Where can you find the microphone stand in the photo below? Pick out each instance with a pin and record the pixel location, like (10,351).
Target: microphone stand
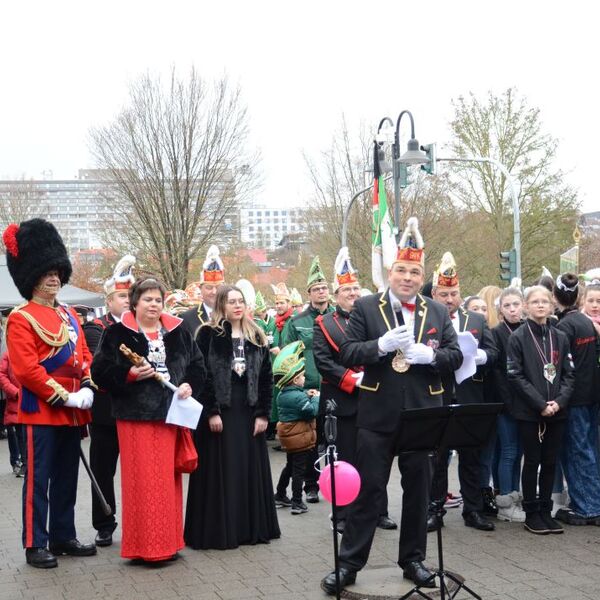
(330,437)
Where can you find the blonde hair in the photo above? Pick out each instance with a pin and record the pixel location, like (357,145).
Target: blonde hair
(490,294)
(534,289)
(250,330)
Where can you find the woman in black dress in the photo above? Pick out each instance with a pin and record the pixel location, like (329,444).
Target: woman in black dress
(230,497)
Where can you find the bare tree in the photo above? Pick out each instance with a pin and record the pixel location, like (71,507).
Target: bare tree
(506,128)
(178,157)
(20,200)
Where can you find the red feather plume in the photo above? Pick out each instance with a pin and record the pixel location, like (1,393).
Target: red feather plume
(10,239)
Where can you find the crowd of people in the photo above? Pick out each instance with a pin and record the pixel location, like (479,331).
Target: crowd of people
(261,372)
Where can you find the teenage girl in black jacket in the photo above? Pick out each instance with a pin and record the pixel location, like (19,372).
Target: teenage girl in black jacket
(540,369)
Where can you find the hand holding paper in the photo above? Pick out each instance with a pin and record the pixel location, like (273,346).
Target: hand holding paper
(184,412)
(468,346)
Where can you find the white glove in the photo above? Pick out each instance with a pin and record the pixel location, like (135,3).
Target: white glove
(358,376)
(88,397)
(83,399)
(480,357)
(395,339)
(419,354)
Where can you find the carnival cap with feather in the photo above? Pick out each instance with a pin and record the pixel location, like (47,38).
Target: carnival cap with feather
(288,364)
(296,298)
(410,248)
(281,291)
(213,270)
(315,274)
(260,306)
(33,249)
(248,292)
(445,275)
(177,302)
(122,278)
(344,273)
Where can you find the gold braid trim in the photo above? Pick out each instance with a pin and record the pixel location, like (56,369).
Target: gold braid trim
(55,340)
(59,389)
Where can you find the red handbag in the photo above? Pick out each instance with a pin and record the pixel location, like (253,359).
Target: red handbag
(186,456)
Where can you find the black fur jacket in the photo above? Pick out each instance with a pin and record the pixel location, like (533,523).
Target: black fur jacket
(146,400)
(217,348)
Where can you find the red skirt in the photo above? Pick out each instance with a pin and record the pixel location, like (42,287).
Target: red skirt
(152,503)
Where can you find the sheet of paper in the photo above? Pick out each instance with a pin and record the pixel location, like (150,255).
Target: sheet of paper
(185,413)
(468,346)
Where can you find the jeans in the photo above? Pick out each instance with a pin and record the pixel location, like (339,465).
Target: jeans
(509,464)
(294,469)
(580,460)
(488,464)
(16,444)
(543,454)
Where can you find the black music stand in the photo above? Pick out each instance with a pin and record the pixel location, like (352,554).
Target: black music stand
(440,428)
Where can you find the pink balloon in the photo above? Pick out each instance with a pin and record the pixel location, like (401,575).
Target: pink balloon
(347,483)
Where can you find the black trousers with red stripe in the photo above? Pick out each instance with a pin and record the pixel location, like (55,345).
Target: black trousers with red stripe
(50,484)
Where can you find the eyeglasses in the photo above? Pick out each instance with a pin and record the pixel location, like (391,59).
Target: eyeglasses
(236,302)
(319,288)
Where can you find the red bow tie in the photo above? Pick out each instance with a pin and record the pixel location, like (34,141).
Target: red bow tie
(409,306)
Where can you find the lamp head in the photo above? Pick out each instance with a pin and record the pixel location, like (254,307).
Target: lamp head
(413,155)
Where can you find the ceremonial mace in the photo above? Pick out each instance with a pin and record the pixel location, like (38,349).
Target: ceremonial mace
(138,361)
(106,509)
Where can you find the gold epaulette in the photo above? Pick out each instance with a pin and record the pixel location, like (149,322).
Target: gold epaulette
(55,340)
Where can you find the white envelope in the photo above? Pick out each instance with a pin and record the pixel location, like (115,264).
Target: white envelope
(185,413)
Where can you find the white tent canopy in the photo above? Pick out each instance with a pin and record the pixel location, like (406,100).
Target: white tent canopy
(69,294)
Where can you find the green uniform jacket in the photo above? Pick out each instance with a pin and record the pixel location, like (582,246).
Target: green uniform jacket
(300,327)
(296,405)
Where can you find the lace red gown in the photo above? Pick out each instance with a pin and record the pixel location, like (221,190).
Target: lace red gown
(152,502)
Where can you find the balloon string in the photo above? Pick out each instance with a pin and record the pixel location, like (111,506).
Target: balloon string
(324,457)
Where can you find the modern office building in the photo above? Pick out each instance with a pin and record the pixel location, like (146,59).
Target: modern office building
(263,227)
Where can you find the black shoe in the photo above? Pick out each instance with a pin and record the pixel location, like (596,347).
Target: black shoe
(546,514)
(40,558)
(347,577)
(282,501)
(416,571)
(386,523)
(278,448)
(104,538)
(489,502)
(312,496)
(477,521)
(570,517)
(535,524)
(298,507)
(73,548)
(433,521)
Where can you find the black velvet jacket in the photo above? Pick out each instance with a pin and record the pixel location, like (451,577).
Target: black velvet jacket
(217,348)
(146,400)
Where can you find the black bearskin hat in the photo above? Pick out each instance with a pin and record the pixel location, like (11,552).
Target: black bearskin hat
(34,248)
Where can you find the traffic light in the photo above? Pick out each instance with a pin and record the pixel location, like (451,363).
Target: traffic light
(429,167)
(404,178)
(508,265)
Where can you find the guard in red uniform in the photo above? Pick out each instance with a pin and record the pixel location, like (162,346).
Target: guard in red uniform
(51,361)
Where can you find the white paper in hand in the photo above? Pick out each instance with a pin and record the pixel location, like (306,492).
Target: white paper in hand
(468,346)
(185,413)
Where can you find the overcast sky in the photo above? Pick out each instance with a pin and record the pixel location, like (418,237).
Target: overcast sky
(66,67)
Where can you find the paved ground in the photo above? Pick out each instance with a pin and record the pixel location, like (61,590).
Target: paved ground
(509,563)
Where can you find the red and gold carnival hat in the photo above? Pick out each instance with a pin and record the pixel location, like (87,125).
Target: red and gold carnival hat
(122,278)
(445,275)
(344,272)
(410,248)
(213,270)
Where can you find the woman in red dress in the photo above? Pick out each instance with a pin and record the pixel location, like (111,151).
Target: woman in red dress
(151,489)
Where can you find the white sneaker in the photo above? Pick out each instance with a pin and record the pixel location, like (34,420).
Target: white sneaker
(508,509)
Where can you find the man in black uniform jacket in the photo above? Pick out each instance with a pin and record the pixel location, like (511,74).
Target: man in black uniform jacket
(405,342)
(340,383)
(446,290)
(104,442)
(211,277)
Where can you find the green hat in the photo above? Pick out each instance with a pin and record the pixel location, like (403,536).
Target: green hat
(315,275)
(288,363)
(295,298)
(259,303)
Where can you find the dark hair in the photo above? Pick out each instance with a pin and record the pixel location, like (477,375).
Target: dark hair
(141,285)
(546,281)
(566,289)
(469,300)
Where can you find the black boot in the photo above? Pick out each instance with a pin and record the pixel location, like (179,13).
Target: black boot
(533,519)
(546,513)
(489,502)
